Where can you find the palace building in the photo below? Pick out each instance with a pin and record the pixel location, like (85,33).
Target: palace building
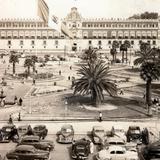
(34,35)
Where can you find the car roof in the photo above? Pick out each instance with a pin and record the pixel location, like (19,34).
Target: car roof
(134,127)
(116,148)
(23,126)
(118,127)
(67,126)
(41,125)
(115,139)
(98,128)
(8,126)
(25,147)
(81,142)
(30,137)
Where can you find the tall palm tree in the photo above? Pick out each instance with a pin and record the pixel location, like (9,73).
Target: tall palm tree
(28,63)
(149,71)
(93,81)
(13,59)
(90,55)
(122,50)
(127,45)
(146,54)
(34,60)
(113,50)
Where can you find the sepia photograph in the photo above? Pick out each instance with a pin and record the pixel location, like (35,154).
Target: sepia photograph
(79,80)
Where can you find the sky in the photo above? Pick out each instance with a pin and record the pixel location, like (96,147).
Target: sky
(87,8)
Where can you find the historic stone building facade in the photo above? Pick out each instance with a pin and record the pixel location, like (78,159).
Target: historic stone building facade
(33,35)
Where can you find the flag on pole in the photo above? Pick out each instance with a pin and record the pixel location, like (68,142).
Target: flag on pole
(58,25)
(43,10)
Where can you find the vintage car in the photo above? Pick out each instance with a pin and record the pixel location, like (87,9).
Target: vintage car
(8,133)
(37,143)
(23,130)
(98,134)
(27,152)
(117,153)
(134,134)
(151,151)
(80,149)
(40,130)
(119,142)
(119,132)
(66,134)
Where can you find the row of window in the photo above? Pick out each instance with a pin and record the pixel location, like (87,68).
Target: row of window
(32,42)
(120,42)
(22,24)
(121,37)
(121,25)
(32,37)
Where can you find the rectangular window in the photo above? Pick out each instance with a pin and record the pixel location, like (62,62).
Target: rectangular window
(32,43)
(154,42)
(90,42)
(44,43)
(9,42)
(21,42)
(99,42)
(56,42)
(132,42)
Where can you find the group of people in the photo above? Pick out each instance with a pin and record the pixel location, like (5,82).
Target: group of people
(18,101)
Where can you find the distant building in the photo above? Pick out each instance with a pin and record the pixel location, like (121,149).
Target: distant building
(34,35)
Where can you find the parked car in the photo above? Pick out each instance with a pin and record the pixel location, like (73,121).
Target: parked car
(40,130)
(23,130)
(119,132)
(117,153)
(37,143)
(66,134)
(27,152)
(98,134)
(80,149)
(134,134)
(9,133)
(151,151)
(116,141)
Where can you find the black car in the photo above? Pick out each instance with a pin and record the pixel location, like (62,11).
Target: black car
(37,143)
(9,133)
(40,130)
(134,134)
(152,151)
(80,149)
(27,152)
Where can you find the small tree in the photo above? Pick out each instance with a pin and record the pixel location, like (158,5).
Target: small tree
(28,63)
(113,50)
(34,61)
(94,80)
(13,59)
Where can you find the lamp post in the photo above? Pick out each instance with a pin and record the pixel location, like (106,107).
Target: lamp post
(66,107)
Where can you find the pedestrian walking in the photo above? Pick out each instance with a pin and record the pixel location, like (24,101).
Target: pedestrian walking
(100,116)
(15,99)
(70,67)
(69,77)
(10,119)
(19,116)
(121,92)
(20,101)
(34,81)
(60,72)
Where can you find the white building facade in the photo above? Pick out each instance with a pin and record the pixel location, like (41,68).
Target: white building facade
(34,35)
